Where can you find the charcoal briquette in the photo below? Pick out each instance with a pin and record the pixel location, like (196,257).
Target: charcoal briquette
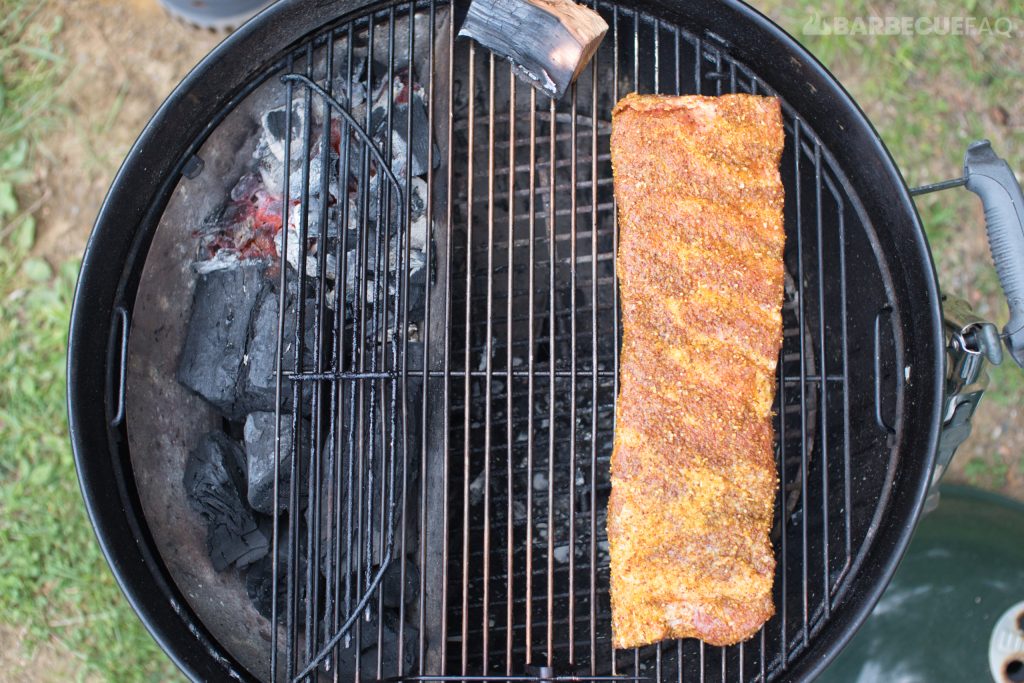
(260,449)
(260,380)
(212,359)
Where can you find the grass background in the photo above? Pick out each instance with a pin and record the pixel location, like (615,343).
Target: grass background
(928,95)
(55,587)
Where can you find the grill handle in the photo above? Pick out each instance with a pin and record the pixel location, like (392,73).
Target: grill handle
(992,179)
(971,341)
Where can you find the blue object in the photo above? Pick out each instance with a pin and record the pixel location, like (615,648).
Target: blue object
(222,15)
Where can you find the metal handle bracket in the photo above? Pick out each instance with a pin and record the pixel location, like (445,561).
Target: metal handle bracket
(971,341)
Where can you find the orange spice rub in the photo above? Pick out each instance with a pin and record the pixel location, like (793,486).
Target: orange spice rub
(701,281)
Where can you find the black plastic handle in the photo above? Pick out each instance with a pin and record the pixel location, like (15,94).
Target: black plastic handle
(992,179)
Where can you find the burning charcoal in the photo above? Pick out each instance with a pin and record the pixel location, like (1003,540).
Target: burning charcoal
(270,170)
(419,145)
(417,290)
(246,187)
(259,454)
(354,207)
(396,256)
(418,232)
(407,100)
(223,259)
(354,96)
(351,98)
(313,181)
(215,484)
(245,225)
(294,248)
(351,270)
(357,280)
(363,188)
(260,382)
(269,152)
(213,355)
(274,130)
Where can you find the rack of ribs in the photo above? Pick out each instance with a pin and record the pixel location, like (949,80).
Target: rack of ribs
(701,288)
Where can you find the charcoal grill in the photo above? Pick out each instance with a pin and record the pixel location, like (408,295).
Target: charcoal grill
(458,463)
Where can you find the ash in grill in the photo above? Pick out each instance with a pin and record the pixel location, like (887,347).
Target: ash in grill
(404,318)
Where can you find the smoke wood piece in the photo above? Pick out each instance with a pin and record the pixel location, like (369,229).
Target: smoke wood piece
(548,42)
(213,354)
(215,484)
(259,453)
(701,280)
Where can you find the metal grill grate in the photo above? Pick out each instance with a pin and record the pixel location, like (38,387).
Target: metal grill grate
(458,464)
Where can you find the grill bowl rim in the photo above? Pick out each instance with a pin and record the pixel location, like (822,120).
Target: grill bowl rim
(118,244)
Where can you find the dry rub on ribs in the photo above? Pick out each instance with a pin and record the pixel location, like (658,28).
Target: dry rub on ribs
(701,280)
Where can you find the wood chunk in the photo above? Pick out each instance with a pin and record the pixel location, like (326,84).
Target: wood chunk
(701,283)
(548,42)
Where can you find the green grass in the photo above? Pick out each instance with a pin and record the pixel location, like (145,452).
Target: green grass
(54,583)
(920,83)
(988,473)
(929,96)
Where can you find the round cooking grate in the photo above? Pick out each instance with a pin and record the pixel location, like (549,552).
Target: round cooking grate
(451,332)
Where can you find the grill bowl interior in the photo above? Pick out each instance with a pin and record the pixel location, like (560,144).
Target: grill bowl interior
(501,499)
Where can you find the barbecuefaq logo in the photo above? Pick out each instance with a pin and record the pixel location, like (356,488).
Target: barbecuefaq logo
(875,25)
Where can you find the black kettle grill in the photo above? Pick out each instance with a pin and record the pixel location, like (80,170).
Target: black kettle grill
(451,333)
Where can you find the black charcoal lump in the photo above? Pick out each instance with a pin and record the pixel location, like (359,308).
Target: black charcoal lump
(259,434)
(259,587)
(259,581)
(215,484)
(386,636)
(259,390)
(213,355)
